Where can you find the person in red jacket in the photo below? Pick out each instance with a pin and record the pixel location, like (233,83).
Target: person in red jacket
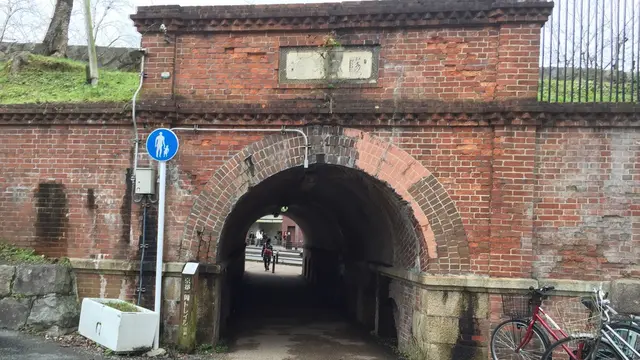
(267,253)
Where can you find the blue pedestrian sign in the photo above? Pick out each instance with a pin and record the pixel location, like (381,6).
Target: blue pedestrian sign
(162,144)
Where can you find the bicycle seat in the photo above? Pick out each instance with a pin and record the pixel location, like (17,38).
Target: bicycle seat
(589,303)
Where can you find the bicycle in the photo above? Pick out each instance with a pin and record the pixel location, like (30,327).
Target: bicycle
(606,341)
(526,315)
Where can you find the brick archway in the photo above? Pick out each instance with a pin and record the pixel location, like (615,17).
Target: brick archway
(443,247)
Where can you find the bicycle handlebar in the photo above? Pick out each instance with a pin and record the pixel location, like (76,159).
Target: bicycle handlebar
(543,290)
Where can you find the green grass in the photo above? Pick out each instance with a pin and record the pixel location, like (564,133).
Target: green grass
(11,254)
(560,91)
(122,306)
(53,80)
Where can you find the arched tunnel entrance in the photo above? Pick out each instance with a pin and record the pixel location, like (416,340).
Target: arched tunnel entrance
(350,220)
(363,204)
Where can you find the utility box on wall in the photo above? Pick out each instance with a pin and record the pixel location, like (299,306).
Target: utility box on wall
(145,181)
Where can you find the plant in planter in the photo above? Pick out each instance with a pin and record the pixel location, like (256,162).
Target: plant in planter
(118,325)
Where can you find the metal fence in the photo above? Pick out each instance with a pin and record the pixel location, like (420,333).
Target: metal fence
(590,52)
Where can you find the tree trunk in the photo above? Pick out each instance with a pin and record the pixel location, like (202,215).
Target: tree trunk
(55,42)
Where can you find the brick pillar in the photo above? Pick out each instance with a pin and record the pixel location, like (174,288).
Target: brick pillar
(160,58)
(512,194)
(518,61)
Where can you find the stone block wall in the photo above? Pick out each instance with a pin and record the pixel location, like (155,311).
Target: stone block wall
(41,297)
(450,325)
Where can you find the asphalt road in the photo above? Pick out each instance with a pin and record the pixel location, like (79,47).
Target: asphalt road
(19,346)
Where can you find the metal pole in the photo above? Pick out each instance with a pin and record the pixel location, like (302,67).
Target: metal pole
(142,248)
(162,171)
(558,57)
(282,130)
(91,45)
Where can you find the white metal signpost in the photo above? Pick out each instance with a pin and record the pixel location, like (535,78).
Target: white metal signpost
(162,146)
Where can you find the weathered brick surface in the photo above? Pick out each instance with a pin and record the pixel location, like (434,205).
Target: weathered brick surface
(512,200)
(587,206)
(414,64)
(427,50)
(63,189)
(585,199)
(114,286)
(529,200)
(486,188)
(517,65)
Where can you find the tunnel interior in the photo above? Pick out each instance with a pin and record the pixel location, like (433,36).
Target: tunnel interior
(350,220)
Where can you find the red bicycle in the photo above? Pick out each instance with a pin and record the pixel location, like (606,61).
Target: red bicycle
(524,335)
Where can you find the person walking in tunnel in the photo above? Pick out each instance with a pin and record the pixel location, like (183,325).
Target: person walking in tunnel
(267,252)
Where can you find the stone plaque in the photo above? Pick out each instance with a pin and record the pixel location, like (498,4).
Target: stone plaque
(356,65)
(316,65)
(305,65)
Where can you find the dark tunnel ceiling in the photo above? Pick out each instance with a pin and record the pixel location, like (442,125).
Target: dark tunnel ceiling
(338,208)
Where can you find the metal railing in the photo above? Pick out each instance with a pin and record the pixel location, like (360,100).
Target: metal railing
(286,257)
(590,52)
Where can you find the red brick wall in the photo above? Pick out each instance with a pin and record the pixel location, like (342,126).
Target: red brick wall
(414,64)
(587,218)
(547,202)
(426,51)
(62,189)
(518,56)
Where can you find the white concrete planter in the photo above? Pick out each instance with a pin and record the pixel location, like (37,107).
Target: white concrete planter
(117,330)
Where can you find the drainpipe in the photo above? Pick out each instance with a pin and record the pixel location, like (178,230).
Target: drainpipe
(282,130)
(133,118)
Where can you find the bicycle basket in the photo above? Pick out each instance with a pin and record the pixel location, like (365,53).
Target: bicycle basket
(575,318)
(516,306)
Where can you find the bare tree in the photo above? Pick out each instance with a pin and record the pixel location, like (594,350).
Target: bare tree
(111,27)
(57,37)
(12,14)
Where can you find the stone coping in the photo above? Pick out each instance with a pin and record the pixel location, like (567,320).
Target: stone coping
(345,15)
(109,266)
(495,285)
(471,283)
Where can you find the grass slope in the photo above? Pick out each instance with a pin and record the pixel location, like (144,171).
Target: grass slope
(11,254)
(52,80)
(560,91)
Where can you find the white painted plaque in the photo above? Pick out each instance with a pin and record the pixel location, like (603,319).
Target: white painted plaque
(356,65)
(305,65)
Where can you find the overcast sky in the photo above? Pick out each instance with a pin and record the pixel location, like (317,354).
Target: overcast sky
(116,29)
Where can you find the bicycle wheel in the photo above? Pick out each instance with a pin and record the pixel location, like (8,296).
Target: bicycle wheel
(580,348)
(508,335)
(630,334)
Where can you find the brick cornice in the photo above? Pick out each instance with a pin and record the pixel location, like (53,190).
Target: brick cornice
(422,113)
(299,113)
(331,16)
(65,113)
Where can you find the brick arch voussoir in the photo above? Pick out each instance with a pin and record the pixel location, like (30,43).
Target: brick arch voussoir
(228,184)
(435,213)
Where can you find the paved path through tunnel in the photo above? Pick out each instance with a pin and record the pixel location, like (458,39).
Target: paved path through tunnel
(281,318)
